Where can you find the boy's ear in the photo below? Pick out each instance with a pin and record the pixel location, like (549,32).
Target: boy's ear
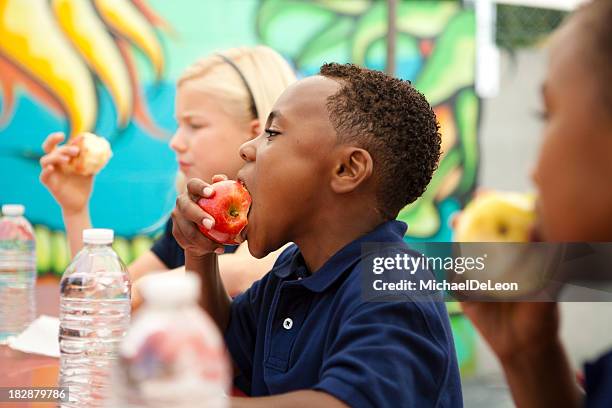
(255,129)
(355,166)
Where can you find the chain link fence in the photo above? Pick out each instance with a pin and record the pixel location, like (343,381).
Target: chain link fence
(523,27)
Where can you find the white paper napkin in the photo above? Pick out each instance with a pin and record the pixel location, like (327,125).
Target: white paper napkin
(41,337)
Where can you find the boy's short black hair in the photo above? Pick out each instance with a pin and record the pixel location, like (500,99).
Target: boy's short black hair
(394,122)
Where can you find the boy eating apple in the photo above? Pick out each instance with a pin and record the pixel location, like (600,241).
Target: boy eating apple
(342,153)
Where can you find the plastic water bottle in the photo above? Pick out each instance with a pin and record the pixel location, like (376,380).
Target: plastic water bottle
(173,354)
(94,317)
(17,272)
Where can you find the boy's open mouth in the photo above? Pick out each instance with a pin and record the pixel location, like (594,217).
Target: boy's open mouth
(243,233)
(242,182)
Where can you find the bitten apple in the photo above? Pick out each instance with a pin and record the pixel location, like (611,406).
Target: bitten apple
(229,206)
(495,216)
(94,153)
(505,218)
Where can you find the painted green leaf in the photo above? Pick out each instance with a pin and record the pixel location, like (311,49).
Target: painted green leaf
(331,44)
(60,254)
(451,65)
(352,7)
(465,343)
(278,20)
(140,245)
(466,112)
(43,249)
(422,216)
(123,249)
(371,26)
(425,18)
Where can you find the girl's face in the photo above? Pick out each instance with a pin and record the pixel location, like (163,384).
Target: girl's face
(208,138)
(574,170)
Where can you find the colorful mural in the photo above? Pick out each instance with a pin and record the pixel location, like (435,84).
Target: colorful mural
(435,50)
(109,66)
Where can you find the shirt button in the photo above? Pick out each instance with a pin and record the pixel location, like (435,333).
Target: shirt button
(288,324)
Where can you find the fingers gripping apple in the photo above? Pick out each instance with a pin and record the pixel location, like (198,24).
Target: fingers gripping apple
(229,206)
(94,153)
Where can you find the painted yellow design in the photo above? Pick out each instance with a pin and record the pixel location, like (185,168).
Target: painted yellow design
(81,24)
(123,16)
(32,40)
(56,48)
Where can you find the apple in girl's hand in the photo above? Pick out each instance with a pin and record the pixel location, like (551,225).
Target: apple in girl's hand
(229,206)
(496,216)
(504,217)
(94,153)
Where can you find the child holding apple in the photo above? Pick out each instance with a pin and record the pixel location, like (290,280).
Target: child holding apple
(221,102)
(342,152)
(573,177)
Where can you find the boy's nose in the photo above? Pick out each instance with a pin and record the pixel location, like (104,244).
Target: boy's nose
(248,150)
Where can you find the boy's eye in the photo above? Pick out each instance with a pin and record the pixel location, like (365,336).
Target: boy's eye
(271,133)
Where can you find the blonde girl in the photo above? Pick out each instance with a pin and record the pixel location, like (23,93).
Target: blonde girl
(222,101)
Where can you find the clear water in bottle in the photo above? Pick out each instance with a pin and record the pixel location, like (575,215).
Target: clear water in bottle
(173,354)
(94,317)
(17,272)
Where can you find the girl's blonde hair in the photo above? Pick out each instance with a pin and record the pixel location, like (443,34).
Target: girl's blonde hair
(264,70)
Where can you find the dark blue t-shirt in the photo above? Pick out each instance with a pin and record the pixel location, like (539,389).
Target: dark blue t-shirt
(598,382)
(170,252)
(293,330)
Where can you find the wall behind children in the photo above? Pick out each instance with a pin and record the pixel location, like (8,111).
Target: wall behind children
(110,67)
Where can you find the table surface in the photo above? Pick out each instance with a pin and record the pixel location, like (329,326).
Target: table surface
(19,369)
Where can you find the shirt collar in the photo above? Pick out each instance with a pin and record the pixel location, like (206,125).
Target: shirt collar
(341,261)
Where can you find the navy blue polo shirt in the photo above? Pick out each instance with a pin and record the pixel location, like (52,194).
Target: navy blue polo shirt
(293,331)
(598,382)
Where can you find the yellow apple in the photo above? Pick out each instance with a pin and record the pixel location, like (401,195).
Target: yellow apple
(496,216)
(505,217)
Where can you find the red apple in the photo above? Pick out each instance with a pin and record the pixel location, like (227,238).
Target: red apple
(229,206)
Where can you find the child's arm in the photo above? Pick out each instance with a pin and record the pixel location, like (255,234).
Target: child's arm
(296,399)
(75,223)
(71,191)
(200,252)
(213,298)
(145,264)
(542,378)
(525,338)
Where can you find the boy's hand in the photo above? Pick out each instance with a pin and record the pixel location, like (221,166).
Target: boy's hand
(71,191)
(187,215)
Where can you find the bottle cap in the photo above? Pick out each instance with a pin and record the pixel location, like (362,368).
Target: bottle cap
(98,236)
(13,210)
(170,287)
